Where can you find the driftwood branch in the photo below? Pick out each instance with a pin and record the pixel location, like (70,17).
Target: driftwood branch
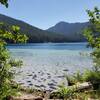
(26,97)
(81,86)
(77,87)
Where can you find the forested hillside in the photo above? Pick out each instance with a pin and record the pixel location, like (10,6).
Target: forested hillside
(35,34)
(73,31)
(61,32)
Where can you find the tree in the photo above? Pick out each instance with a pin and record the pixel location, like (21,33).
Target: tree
(92,34)
(4,2)
(8,33)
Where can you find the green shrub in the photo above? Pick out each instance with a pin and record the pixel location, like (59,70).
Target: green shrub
(65,92)
(93,77)
(92,34)
(6,63)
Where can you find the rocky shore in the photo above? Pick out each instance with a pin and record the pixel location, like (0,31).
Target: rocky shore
(34,94)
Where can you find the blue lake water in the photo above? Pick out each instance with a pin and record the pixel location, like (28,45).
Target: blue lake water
(46,64)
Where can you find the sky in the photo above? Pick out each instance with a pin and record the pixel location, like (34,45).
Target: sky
(46,13)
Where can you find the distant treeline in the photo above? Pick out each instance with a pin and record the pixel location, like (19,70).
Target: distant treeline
(37,35)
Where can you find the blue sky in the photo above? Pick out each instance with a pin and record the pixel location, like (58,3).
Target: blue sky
(46,13)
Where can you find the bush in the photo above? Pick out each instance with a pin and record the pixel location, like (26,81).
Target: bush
(93,77)
(6,63)
(65,92)
(92,34)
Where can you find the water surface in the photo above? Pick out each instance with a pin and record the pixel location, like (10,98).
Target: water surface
(46,64)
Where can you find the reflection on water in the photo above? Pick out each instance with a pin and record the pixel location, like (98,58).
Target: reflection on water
(45,65)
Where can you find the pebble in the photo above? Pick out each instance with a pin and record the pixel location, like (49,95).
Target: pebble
(49,77)
(52,87)
(43,86)
(30,84)
(28,81)
(34,76)
(48,73)
(37,86)
(30,75)
(20,83)
(54,81)
(60,76)
(65,70)
(51,84)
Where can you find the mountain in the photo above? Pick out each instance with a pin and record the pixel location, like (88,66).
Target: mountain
(61,32)
(73,31)
(35,34)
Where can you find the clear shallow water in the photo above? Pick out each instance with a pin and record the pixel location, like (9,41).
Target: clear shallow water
(45,65)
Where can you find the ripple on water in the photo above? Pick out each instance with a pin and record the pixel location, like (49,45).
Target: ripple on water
(44,66)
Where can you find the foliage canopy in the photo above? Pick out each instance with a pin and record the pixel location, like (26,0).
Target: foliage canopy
(8,33)
(4,2)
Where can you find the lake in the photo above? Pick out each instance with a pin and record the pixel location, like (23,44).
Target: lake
(45,65)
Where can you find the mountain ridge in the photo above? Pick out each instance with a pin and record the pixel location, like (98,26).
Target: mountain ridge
(73,31)
(37,35)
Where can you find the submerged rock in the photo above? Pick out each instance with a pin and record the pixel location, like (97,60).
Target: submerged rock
(34,76)
(39,72)
(20,83)
(61,76)
(30,84)
(43,86)
(39,81)
(49,77)
(48,73)
(28,81)
(51,84)
(29,75)
(54,81)
(38,86)
(66,70)
(43,79)
(52,87)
